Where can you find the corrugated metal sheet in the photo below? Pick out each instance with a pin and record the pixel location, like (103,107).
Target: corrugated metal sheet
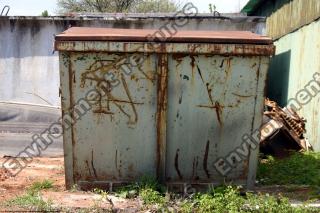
(292,16)
(297,55)
(172,117)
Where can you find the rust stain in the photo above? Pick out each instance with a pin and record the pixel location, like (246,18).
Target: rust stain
(242,96)
(176,164)
(192,63)
(130,98)
(222,63)
(178,58)
(212,49)
(96,72)
(193,48)
(255,64)
(228,67)
(199,71)
(93,168)
(218,112)
(130,168)
(116,160)
(195,164)
(209,90)
(245,173)
(102,111)
(218,109)
(87,163)
(145,74)
(214,105)
(193,167)
(255,99)
(161,120)
(119,169)
(205,160)
(180,98)
(71,73)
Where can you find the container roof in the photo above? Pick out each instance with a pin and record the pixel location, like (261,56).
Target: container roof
(145,35)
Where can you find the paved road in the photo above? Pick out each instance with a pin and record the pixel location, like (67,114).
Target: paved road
(18,123)
(11,144)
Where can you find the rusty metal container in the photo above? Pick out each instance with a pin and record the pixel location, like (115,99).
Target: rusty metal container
(137,104)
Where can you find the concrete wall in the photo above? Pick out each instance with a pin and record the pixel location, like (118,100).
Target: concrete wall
(29,68)
(292,68)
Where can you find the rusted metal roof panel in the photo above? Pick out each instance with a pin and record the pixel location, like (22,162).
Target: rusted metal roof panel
(148,35)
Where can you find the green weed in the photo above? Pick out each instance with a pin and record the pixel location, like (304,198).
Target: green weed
(31,200)
(146,182)
(228,199)
(151,197)
(298,169)
(37,186)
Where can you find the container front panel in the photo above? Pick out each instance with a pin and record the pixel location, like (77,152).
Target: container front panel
(211,105)
(116,139)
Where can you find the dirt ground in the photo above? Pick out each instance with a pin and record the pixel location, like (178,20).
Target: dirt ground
(52,169)
(39,170)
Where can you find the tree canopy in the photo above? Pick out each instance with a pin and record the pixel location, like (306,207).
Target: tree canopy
(118,6)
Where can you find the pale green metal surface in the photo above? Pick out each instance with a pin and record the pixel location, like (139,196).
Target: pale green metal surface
(292,68)
(210,103)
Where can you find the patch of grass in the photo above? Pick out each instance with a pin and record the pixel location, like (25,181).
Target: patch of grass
(31,200)
(146,182)
(218,199)
(151,197)
(37,186)
(149,190)
(298,169)
(229,199)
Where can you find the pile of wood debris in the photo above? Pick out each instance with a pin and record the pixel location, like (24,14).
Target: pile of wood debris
(282,130)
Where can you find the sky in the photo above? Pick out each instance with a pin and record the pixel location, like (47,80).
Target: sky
(36,7)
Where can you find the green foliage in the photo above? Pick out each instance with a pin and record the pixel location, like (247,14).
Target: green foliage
(31,200)
(228,199)
(133,190)
(150,197)
(37,186)
(147,182)
(45,13)
(218,199)
(149,190)
(155,6)
(111,6)
(298,169)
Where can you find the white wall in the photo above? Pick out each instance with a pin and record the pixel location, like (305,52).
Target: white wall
(29,71)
